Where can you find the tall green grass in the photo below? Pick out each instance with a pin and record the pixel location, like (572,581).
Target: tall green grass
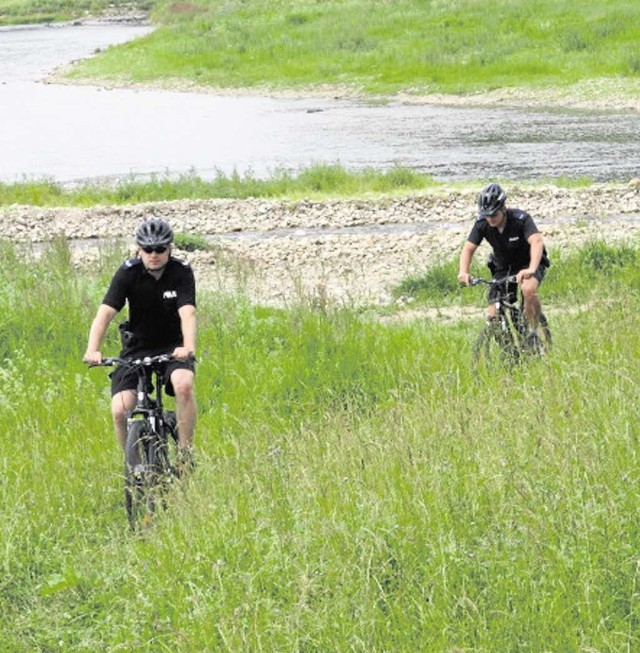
(416,47)
(316,181)
(357,488)
(594,271)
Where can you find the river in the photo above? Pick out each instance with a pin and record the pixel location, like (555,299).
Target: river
(76,133)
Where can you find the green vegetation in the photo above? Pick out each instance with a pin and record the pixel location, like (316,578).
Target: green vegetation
(317,181)
(357,488)
(320,181)
(190,242)
(571,277)
(18,12)
(456,46)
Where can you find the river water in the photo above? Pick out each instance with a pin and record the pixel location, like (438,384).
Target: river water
(76,133)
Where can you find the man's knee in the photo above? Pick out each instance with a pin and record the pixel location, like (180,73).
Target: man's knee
(120,404)
(182,381)
(530,288)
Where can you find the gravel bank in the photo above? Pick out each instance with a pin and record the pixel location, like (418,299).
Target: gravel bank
(352,251)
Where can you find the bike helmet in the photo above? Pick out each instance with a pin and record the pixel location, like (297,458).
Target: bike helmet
(154,232)
(490,200)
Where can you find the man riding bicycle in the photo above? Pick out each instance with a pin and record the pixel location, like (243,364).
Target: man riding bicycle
(518,249)
(161,296)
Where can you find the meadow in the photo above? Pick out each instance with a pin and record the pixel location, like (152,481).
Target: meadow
(404,46)
(357,489)
(415,48)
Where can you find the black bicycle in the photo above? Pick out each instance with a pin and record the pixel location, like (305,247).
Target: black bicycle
(152,435)
(507,338)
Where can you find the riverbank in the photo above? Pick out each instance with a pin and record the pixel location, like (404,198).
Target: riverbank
(599,94)
(345,251)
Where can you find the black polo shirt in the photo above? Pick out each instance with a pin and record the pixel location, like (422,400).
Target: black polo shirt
(153,303)
(511,249)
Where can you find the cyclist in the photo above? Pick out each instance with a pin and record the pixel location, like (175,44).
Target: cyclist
(161,295)
(518,249)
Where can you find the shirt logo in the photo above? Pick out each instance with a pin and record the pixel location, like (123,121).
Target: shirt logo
(169,294)
(514,238)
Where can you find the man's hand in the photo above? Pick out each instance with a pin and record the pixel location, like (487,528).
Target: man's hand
(527,273)
(92,357)
(464,278)
(182,353)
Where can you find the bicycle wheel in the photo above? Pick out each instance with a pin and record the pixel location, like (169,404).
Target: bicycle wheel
(495,348)
(545,332)
(141,472)
(539,342)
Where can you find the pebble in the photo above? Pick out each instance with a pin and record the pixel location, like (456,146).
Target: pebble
(345,267)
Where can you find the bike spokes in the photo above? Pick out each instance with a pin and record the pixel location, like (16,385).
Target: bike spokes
(495,348)
(147,475)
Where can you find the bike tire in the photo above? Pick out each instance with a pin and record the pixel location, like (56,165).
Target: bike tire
(545,333)
(494,349)
(142,469)
(539,343)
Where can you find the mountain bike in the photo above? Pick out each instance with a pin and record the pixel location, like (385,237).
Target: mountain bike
(506,339)
(152,435)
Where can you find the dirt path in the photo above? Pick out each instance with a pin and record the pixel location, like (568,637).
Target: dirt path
(348,251)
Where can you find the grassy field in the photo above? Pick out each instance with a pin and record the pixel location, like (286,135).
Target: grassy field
(457,46)
(357,489)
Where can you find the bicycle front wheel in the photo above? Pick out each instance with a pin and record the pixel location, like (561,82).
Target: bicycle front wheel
(141,473)
(539,342)
(494,348)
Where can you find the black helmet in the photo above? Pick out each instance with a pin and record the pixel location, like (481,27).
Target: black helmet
(490,200)
(154,232)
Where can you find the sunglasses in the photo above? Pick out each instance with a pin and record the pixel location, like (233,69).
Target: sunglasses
(158,249)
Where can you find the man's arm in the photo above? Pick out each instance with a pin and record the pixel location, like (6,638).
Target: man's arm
(466,256)
(536,245)
(188,325)
(97,332)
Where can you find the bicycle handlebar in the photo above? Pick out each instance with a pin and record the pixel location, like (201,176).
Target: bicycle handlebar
(145,361)
(512,278)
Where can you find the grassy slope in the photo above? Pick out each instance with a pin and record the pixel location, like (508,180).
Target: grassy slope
(357,489)
(454,47)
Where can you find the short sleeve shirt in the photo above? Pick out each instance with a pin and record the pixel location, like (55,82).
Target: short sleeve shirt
(511,249)
(153,303)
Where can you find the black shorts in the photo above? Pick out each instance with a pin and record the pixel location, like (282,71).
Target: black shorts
(512,288)
(124,378)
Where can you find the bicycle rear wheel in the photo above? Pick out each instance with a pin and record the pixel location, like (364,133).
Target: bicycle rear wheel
(142,472)
(494,348)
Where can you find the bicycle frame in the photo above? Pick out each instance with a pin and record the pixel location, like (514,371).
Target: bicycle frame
(508,337)
(147,407)
(509,313)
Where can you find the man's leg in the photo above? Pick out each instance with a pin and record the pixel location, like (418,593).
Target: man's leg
(121,402)
(182,381)
(532,306)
